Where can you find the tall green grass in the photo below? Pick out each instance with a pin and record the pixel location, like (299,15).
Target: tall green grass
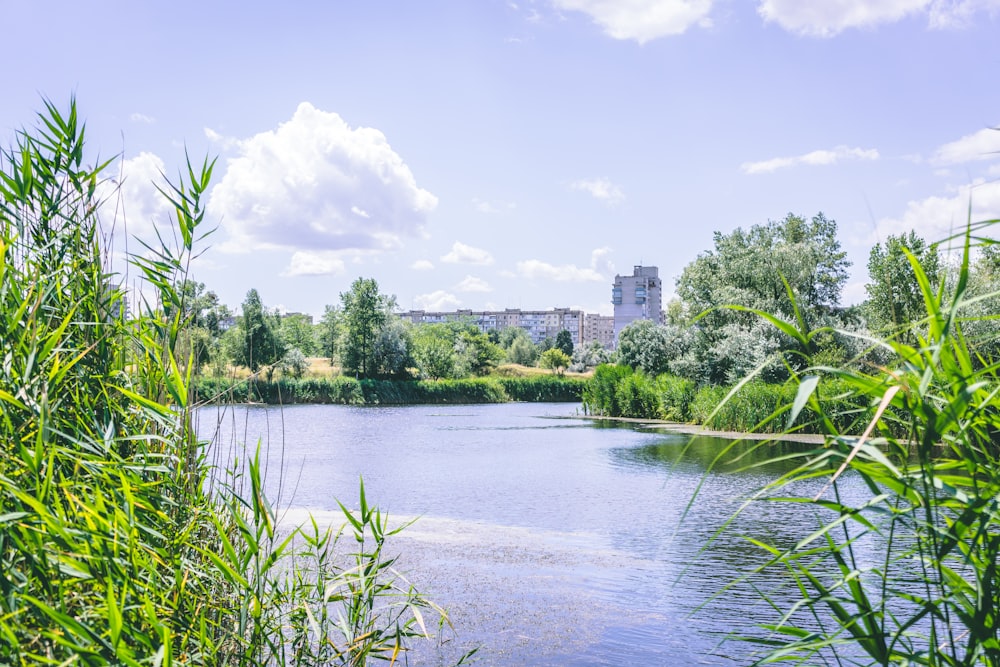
(902,565)
(120,543)
(350,391)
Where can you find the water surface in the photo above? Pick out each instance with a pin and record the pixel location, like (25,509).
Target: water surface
(551,539)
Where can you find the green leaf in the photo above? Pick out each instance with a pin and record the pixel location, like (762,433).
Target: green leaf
(806,387)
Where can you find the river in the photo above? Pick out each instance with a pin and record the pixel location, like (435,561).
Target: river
(551,539)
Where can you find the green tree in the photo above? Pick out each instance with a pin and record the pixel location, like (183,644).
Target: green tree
(895,301)
(366,312)
(750,268)
(298,332)
(391,353)
(555,360)
(475,354)
(590,356)
(564,342)
(294,363)
(329,332)
(518,346)
(434,350)
(643,345)
(201,317)
(258,343)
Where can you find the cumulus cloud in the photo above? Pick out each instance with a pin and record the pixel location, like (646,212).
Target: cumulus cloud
(601,269)
(599,188)
(939,216)
(466,254)
(317,185)
(535,269)
(826,19)
(642,20)
(133,200)
(142,118)
(473,284)
(422,265)
(438,300)
(314,263)
(981,145)
(814,158)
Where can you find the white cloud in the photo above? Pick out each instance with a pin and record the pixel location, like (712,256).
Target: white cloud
(826,19)
(438,300)
(142,118)
(937,217)
(473,284)
(484,206)
(314,263)
(224,142)
(466,254)
(959,13)
(132,200)
(567,273)
(599,188)
(601,269)
(981,145)
(599,261)
(422,265)
(814,158)
(315,184)
(642,20)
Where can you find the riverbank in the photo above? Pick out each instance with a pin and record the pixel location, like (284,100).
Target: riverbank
(351,391)
(697,430)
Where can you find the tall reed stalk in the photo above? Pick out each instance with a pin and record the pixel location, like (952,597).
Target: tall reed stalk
(119,542)
(904,572)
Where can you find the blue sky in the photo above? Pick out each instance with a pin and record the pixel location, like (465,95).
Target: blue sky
(498,154)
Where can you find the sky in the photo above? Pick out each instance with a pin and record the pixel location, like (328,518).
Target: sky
(490,154)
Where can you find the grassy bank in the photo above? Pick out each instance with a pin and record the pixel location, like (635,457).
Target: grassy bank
(619,391)
(350,391)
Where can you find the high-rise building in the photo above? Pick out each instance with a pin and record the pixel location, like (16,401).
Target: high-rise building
(637,297)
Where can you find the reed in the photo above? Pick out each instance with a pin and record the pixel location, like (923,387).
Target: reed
(904,571)
(349,391)
(121,543)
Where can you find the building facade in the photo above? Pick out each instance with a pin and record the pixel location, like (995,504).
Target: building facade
(539,324)
(636,297)
(600,328)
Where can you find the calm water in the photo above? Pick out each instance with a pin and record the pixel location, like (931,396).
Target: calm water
(551,540)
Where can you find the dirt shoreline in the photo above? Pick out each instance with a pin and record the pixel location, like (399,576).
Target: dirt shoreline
(695,429)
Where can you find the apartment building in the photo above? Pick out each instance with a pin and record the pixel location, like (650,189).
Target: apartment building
(600,328)
(636,297)
(539,324)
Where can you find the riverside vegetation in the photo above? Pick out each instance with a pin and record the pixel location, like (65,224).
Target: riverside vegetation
(901,566)
(907,573)
(123,539)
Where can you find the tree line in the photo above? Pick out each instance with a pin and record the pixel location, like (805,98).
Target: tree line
(365,337)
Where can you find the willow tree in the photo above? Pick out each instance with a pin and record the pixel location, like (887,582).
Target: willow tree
(755,269)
